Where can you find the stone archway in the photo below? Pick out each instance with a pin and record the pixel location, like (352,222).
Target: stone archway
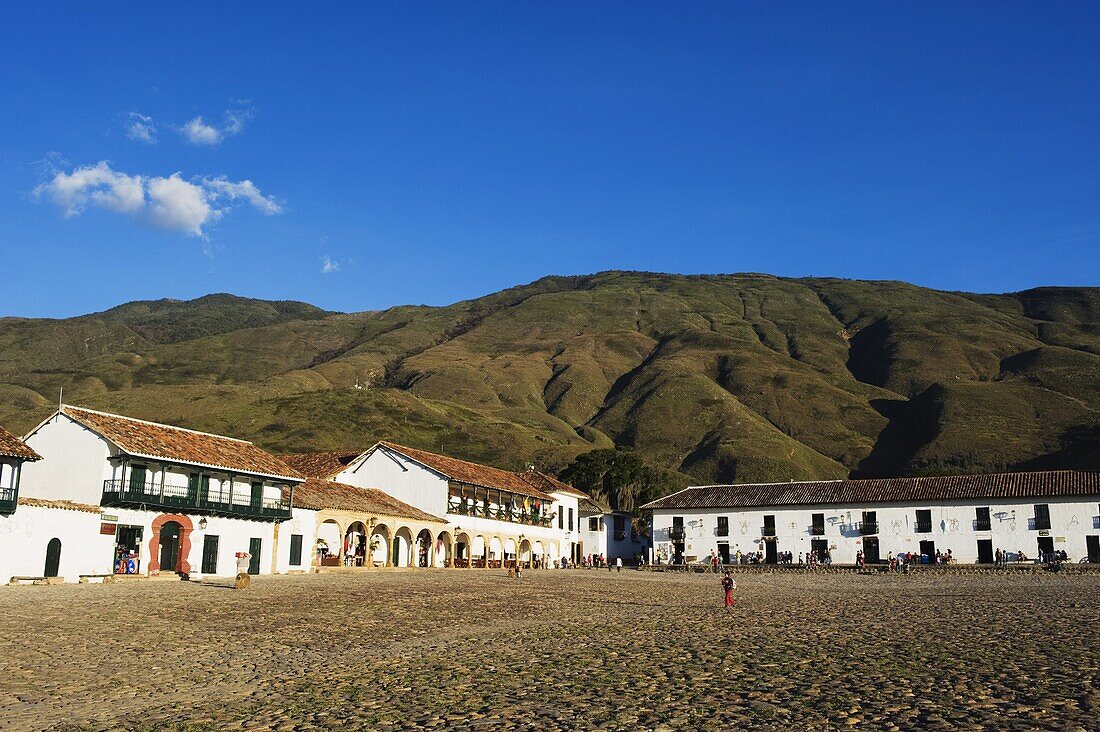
(524,556)
(182,566)
(423,549)
(329,543)
(380,537)
(444,550)
(463,550)
(403,547)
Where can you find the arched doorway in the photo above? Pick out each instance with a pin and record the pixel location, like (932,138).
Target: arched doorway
(463,550)
(525,552)
(510,553)
(479,551)
(380,539)
(424,549)
(53,558)
(443,550)
(329,538)
(355,544)
(402,547)
(496,552)
(538,553)
(169,546)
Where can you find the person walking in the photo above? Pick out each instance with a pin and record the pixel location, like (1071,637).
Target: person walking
(619,564)
(728,586)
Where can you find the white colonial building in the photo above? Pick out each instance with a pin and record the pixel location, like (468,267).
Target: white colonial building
(610,534)
(136,498)
(971,515)
(483,516)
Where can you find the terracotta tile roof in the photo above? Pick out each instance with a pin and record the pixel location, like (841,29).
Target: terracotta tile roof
(324,465)
(463,471)
(1045,484)
(164,442)
(12,446)
(550,484)
(63,505)
(319,494)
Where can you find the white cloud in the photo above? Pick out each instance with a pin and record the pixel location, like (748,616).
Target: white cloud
(199,132)
(329,266)
(171,203)
(96,185)
(141,128)
(246,190)
(177,205)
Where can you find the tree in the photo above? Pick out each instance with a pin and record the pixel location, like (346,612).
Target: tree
(616,477)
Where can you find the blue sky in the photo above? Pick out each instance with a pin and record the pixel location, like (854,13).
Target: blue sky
(358,156)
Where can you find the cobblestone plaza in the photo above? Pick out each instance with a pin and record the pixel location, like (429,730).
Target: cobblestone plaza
(555,650)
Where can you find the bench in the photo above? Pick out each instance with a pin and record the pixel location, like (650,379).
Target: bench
(103,578)
(36,580)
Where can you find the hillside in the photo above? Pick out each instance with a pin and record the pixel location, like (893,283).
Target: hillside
(715,378)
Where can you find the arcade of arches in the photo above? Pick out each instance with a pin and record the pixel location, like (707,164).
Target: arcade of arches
(346,539)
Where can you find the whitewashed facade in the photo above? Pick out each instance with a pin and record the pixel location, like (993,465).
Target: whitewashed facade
(493,519)
(1061,514)
(168,499)
(612,535)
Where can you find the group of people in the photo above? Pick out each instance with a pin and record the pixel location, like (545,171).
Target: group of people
(599,561)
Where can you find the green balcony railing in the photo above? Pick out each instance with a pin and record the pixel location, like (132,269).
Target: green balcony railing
(193,499)
(9,498)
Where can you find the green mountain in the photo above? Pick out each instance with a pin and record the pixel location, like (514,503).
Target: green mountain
(713,378)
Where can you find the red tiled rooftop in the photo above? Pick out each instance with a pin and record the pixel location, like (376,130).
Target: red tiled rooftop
(12,446)
(463,471)
(319,494)
(1042,484)
(323,465)
(164,442)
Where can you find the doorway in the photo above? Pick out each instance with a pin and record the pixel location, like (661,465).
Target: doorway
(210,553)
(870,550)
(1046,548)
(928,549)
(771,552)
(724,552)
(1092,543)
(254,547)
(818,547)
(169,546)
(53,558)
(985,551)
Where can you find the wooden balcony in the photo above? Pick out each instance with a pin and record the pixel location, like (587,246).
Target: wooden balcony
(123,494)
(479,510)
(9,497)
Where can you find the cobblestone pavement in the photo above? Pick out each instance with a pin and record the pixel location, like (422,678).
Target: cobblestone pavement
(557,650)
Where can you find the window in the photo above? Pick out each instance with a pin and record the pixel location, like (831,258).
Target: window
(594,524)
(561,517)
(870,523)
(570,518)
(723,526)
(295,550)
(620,528)
(769,526)
(981,519)
(676,533)
(924,521)
(257,493)
(1042,516)
(817,524)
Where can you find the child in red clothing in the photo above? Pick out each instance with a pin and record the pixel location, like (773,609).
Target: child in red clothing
(729,585)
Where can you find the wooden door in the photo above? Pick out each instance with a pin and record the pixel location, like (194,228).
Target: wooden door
(210,554)
(254,547)
(1093,545)
(870,549)
(169,546)
(53,558)
(985,551)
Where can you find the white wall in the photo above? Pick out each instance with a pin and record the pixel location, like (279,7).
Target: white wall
(303,521)
(74,463)
(952,528)
(602,541)
(401,478)
(25,534)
